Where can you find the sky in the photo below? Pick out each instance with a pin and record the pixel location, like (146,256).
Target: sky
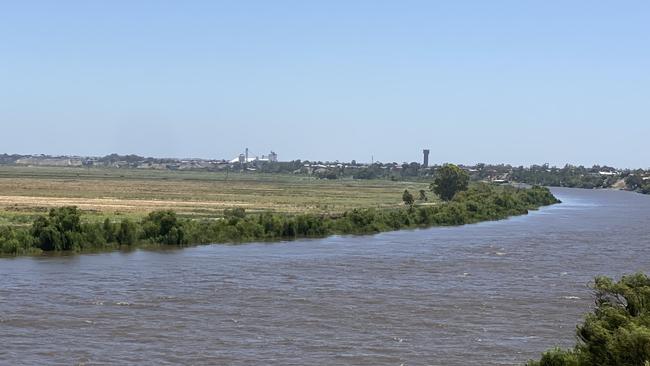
(517,82)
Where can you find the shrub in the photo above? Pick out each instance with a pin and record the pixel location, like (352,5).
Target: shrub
(61,230)
(618,330)
(162,227)
(126,233)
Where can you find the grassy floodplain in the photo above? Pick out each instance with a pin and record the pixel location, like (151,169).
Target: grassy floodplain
(73,210)
(26,192)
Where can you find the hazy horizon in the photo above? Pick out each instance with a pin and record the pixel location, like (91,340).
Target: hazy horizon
(499,82)
(388,161)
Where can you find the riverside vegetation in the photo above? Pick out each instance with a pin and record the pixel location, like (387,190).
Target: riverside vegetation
(63,228)
(616,333)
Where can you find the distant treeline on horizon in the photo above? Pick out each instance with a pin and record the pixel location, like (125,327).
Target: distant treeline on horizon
(567,176)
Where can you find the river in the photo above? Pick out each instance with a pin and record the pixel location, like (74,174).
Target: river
(494,293)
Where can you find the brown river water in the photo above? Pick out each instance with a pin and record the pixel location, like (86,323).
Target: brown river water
(494,293)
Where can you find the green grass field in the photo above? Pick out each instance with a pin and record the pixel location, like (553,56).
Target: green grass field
(100,192)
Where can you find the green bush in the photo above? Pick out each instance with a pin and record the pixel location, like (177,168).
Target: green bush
(60,230)
(93,235)
(16,241)
(162,227)
(557,357)
(109,230)
(618,330)
(126,233)
(8,242)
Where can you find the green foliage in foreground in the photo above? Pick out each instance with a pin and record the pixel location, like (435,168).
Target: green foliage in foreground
(616,333)
(63,229)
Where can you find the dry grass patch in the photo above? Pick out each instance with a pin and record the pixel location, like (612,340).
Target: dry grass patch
(110,192)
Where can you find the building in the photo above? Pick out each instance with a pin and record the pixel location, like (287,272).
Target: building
(249,158)
(425,163)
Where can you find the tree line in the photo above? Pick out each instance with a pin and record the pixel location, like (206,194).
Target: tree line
(64,230)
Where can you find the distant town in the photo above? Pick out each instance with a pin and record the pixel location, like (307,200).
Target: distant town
(244,160)
(566,176)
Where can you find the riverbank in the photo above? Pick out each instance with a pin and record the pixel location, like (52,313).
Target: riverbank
(64,230)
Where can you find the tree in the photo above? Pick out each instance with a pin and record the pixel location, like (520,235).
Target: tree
(61,230)
(407,197)
(633,182)
(109,230)
(126,233)
(8,242)
(450,179)
(616,333)
(163,227)
(423,195)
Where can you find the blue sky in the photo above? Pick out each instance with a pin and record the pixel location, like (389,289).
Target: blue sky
(518,82)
